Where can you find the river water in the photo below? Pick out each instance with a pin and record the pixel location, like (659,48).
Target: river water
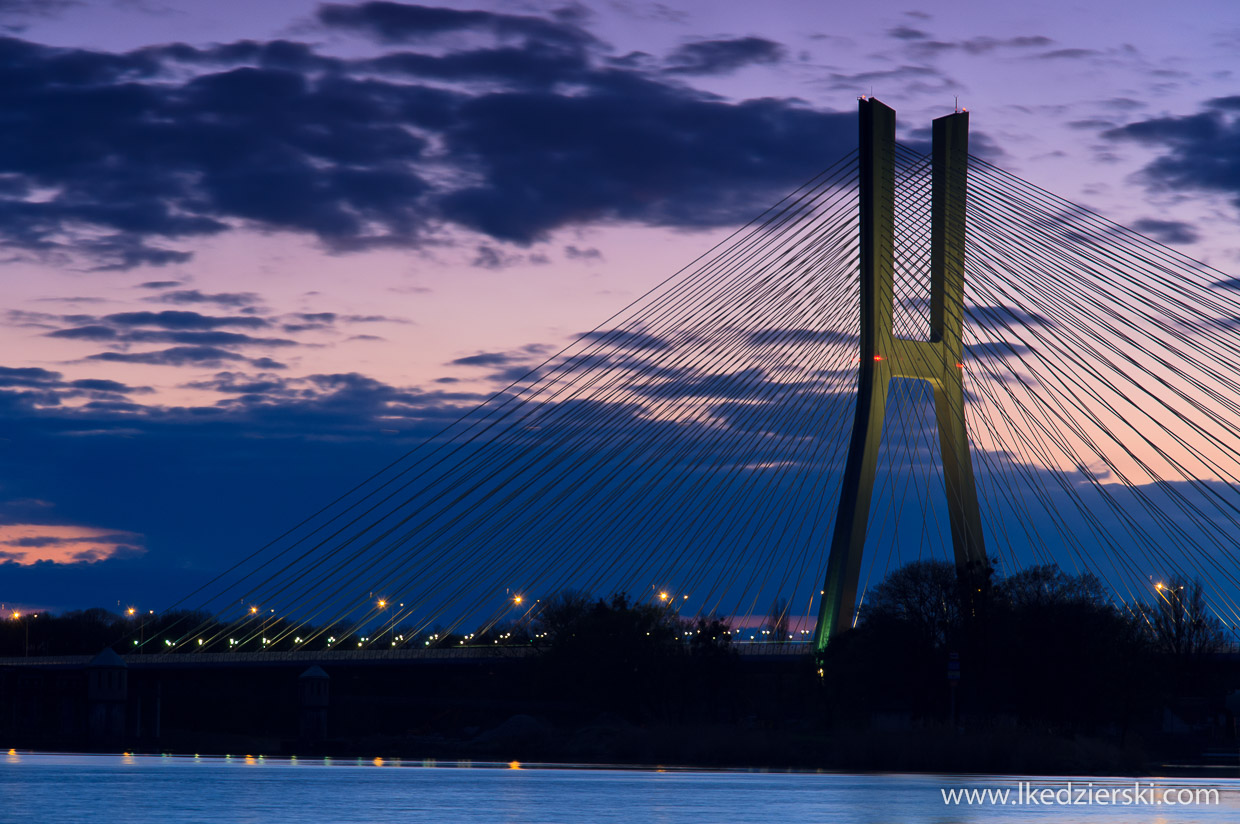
(54,788)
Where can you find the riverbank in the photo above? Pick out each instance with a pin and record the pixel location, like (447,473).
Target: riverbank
(732,711)
(610,740)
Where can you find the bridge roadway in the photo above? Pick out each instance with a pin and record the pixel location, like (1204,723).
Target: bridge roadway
(346,657)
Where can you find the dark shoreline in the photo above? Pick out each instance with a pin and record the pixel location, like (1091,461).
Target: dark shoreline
(1155,773)
(734,712)
(523,739)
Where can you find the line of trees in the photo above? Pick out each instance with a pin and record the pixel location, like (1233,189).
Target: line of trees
(917,615)
(1038,645)
(570,623)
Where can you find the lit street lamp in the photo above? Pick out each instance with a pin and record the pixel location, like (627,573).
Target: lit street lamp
(17,616)
(141,642)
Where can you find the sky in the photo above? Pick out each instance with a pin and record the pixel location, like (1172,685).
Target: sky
(252,251)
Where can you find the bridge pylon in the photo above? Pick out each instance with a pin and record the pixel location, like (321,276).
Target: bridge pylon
(883,356)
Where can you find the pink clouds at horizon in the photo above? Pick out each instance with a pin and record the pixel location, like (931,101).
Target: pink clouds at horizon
(28,544)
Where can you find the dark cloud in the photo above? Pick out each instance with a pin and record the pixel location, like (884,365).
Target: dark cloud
(239,383)
(489,257)
(589,255)
(1027,41)
(1228,283)
(632,60)
(723,56)
(1090,124)
(275,54)
(578,362)
(522,372)
(27,376)
(511,366)
(653,153)
(200,340)
(36,377)
(126,407)
(1199,151)
(922,46)
(799,336)
(72,299)
(1067,54)
(310,321)
(18,9)
(92,332)
(125,250)
(209,356)
(620,360)
(146,150)
(207,338)
(995,350)
(984,146)
(929,49)
(910,78)
(907,33)
(1231,103)
(528,66)
(1172,232)
(981,144)
(1004,316)
(484,359)
(103,385)
(747,383)
(159,284)
(405,23)
(136,159)
(190,296)
(174,319)
(44,541)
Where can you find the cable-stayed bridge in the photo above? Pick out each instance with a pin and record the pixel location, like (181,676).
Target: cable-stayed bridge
(912,356)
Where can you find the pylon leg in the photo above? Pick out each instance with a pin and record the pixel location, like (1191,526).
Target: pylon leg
(877,187)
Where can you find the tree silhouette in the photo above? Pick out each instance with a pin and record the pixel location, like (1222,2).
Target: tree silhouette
(1181,623)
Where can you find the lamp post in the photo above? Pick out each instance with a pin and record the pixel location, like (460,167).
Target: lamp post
(17,616)
(132,613)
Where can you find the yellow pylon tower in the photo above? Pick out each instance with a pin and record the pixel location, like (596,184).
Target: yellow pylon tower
(939,360)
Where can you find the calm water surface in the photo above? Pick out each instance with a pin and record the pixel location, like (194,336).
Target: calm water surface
(53,788)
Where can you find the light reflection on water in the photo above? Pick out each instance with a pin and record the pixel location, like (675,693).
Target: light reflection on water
(137,789)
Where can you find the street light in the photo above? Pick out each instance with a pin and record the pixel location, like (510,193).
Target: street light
(141,642)
(382,605)
(17,616)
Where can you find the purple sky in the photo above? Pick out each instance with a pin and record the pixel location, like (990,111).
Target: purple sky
(251,250)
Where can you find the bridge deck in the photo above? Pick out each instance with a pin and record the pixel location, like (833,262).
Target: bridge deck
(347,657)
